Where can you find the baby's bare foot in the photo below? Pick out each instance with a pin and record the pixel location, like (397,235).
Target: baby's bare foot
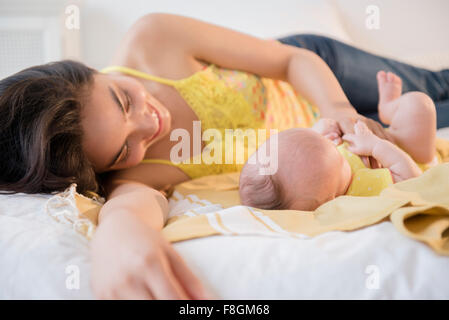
(390,88)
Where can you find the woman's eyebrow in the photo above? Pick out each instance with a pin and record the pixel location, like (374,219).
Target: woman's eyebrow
(120,106)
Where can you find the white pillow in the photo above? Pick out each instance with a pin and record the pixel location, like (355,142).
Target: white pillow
(405,32)
(434,61)
(38,255)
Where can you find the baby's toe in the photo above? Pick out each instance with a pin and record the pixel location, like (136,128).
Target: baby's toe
(391,77)
(381,76)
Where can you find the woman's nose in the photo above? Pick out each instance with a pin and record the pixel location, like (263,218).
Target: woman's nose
(142,103)
(144,121)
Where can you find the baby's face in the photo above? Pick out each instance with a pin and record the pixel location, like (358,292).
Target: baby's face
(311,170)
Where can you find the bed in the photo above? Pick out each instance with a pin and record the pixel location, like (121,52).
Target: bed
(44,254)
(44,250)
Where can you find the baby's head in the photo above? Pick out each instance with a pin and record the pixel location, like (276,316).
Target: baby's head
(310,172)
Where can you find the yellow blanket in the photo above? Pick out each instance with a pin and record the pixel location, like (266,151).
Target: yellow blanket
(418,208)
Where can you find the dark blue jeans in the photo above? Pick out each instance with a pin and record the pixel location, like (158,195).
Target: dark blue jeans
(356,71)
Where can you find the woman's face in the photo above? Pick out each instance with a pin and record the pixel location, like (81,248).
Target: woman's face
(120,121)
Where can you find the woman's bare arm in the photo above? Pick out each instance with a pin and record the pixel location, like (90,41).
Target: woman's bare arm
(137,198)
(130,257)
(169,38)
(165,35)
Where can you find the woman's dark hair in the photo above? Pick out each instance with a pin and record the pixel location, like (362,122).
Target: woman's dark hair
(40,129)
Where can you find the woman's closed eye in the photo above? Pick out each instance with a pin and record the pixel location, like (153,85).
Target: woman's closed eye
(127,108)
(124,102)
(127,153)
(124,155)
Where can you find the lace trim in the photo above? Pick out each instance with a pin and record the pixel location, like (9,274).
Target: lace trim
(218,107)
(62,207)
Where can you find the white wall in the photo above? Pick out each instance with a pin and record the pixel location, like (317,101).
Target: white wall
(408,29)
(105,21)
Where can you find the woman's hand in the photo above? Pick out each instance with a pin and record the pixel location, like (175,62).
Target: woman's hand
(133,261)
(348,117)
(328,128)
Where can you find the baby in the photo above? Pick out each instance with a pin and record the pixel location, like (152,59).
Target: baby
(319,164)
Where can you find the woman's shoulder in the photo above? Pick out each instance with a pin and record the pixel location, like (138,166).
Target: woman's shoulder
(140,49)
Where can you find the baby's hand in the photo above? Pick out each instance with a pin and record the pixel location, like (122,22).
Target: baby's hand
(329,129)
(362,141)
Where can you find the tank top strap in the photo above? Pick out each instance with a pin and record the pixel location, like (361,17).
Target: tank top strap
(138,74)
(161,161)
(193,171)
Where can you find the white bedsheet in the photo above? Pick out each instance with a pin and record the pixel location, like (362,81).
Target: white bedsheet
(372,263)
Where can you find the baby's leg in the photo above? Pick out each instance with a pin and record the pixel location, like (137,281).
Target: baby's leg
(412,117)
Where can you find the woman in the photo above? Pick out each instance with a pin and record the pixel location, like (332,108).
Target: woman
(64,123)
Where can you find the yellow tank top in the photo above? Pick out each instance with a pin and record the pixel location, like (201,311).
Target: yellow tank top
(230,99)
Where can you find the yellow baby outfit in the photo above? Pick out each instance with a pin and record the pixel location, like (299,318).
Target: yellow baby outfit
(370,182)
(365,181)
(230,99)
